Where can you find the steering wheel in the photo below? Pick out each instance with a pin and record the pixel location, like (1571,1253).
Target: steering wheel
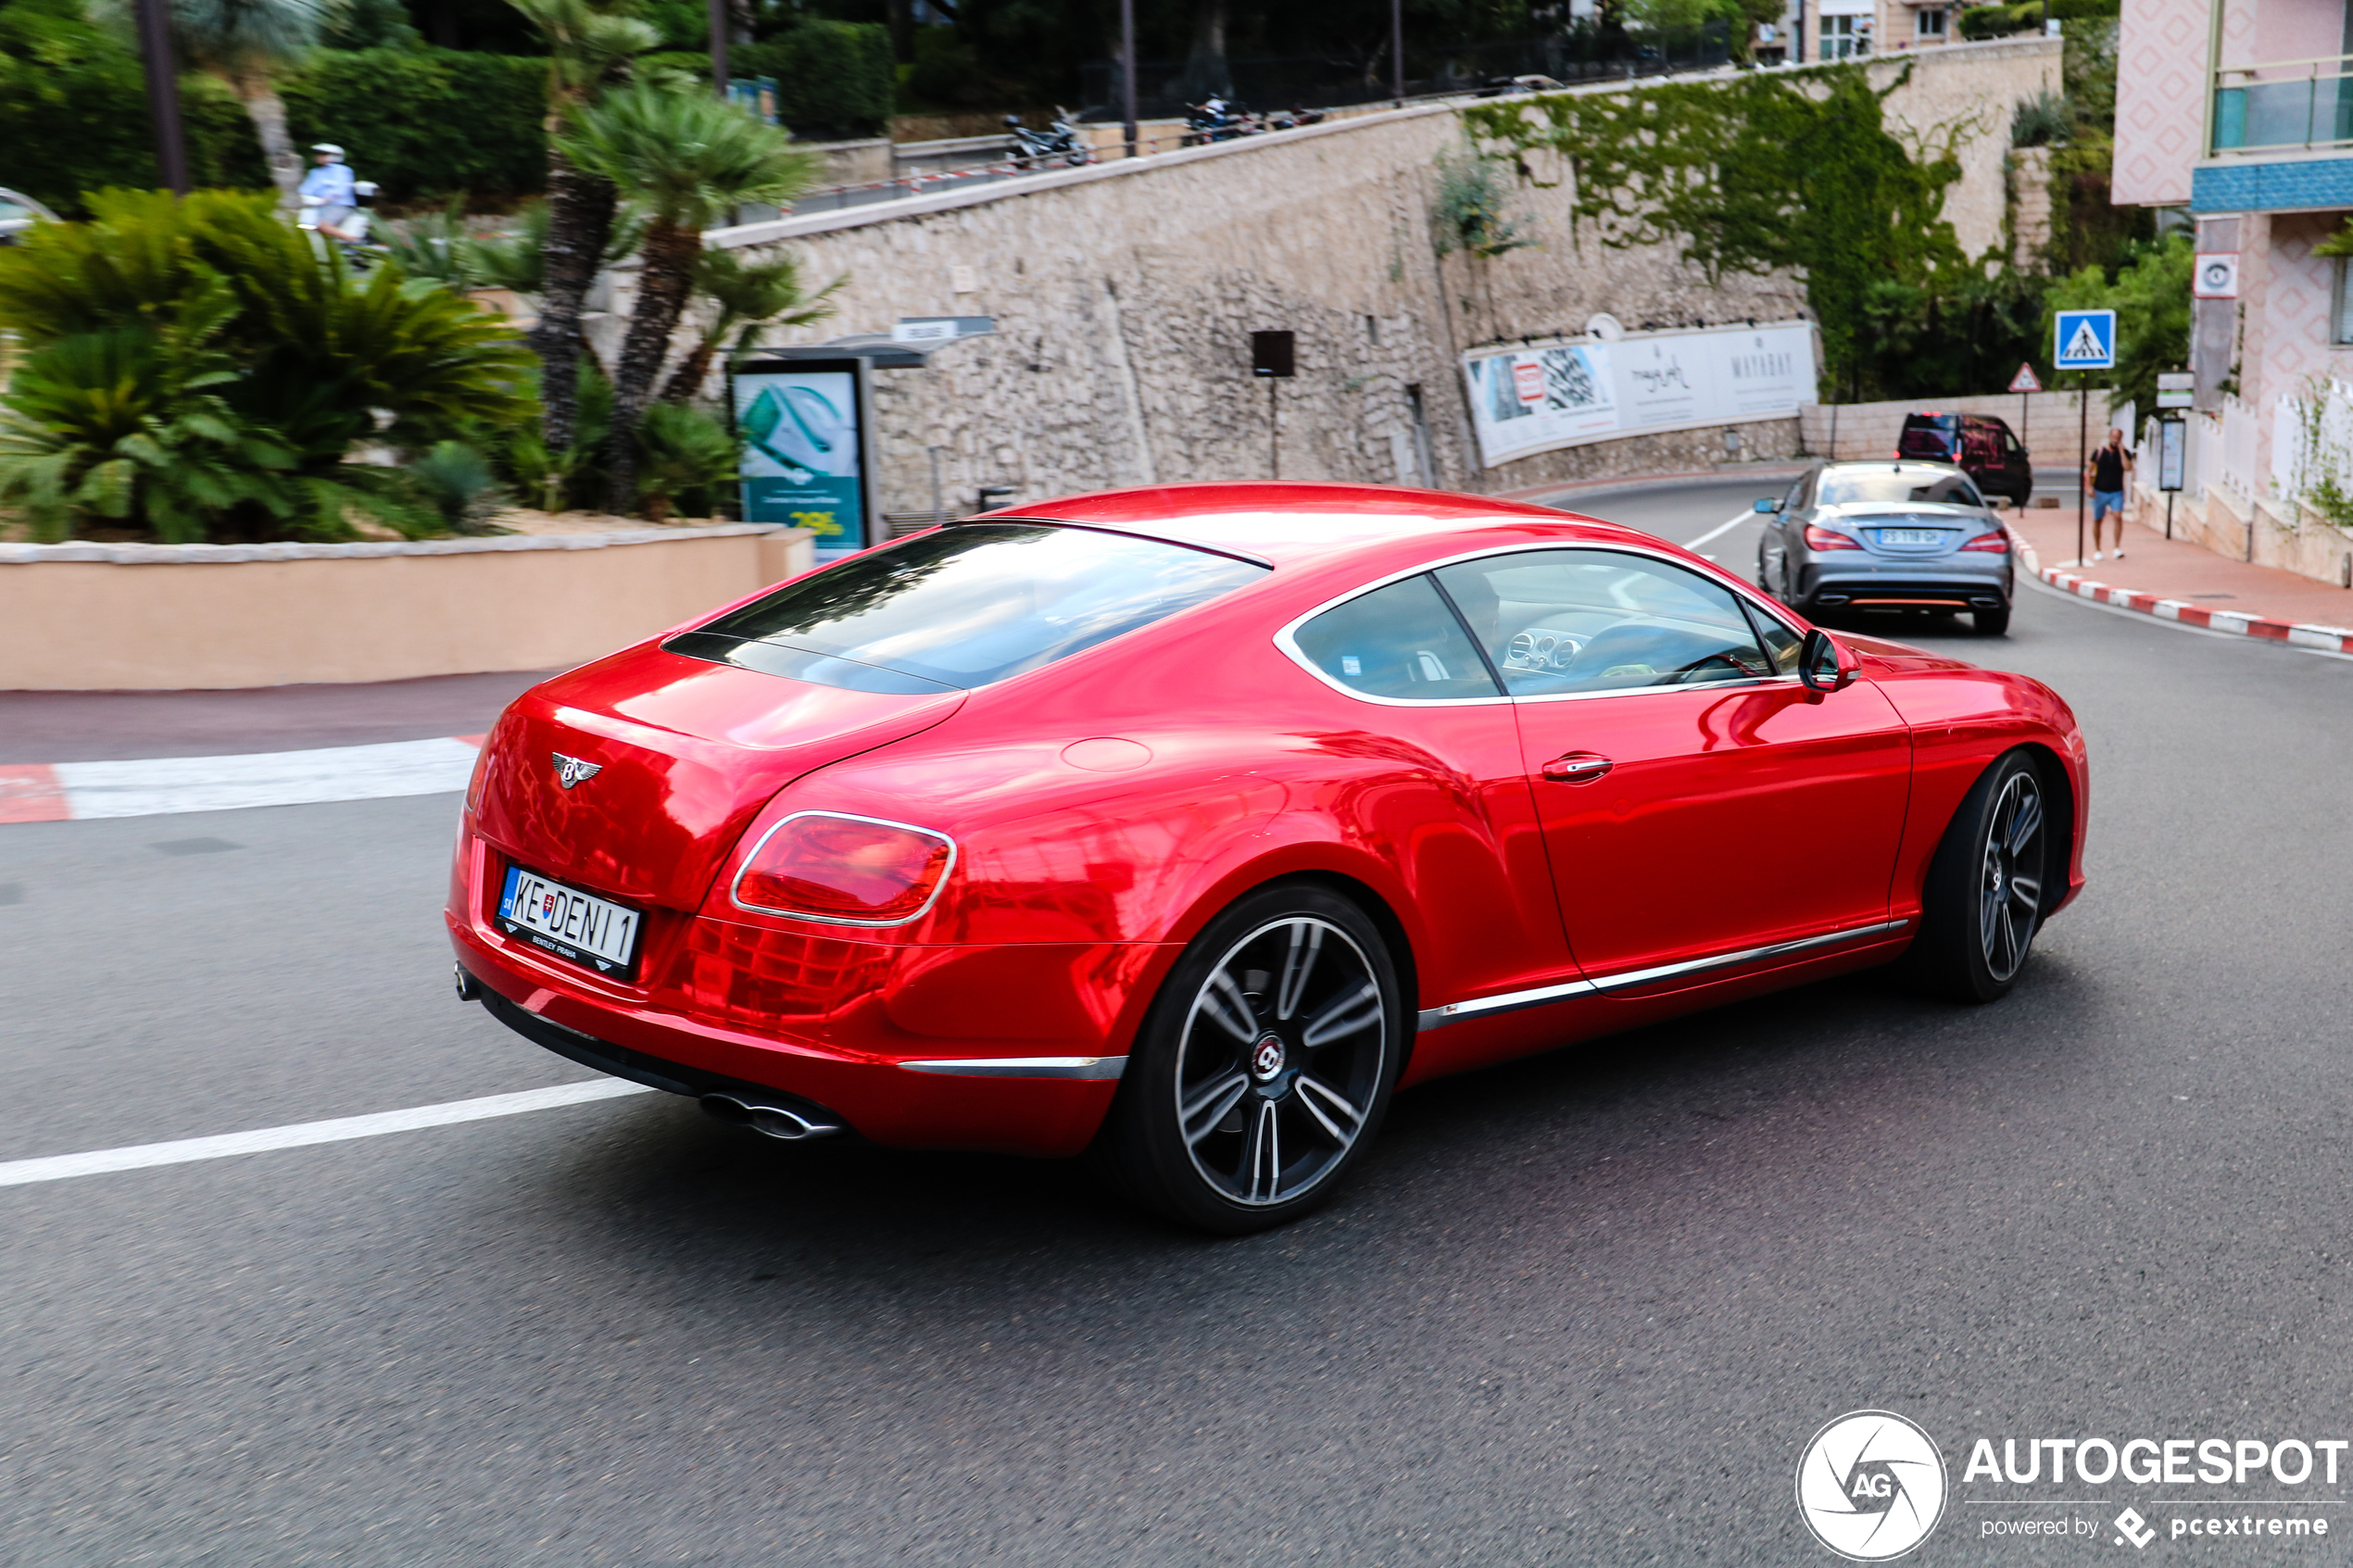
(1724,658)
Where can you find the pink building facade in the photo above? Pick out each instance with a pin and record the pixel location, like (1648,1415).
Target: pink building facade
(2241,111)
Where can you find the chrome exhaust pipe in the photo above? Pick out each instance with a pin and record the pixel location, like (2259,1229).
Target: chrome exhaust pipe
(770,1121)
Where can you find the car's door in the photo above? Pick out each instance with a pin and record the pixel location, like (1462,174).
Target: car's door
(1697,802)
(1780,532)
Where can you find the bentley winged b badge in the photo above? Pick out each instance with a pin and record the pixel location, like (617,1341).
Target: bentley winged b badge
(570,771)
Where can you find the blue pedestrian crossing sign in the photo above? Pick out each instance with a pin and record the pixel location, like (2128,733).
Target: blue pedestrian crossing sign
(2085,340)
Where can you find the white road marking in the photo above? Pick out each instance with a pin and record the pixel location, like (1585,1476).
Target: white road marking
(270,778)
(59,1167)
(1721,529)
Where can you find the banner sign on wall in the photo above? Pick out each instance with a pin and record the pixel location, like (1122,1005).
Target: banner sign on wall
(1570,393)
(801,466)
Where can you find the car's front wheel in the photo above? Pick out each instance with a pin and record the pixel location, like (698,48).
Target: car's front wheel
(1988,885)
(1264,1066)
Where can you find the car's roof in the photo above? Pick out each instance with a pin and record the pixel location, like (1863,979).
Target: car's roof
(1285,521)
(1883,465)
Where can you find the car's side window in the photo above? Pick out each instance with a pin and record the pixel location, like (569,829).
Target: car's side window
(1780,643)
(1579,621)
(1796,497)
(1399,641)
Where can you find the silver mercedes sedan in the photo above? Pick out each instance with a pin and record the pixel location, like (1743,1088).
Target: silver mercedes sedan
(1904,536)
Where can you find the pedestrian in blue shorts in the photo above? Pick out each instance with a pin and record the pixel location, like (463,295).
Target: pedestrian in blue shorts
(2107,471)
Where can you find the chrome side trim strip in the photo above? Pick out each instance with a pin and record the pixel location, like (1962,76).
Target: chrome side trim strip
(1090,1067)
(1512,1002)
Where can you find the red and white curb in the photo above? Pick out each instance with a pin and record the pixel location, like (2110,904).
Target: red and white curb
(57,792)
(2328,639)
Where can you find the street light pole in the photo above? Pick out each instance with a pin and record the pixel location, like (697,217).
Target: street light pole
(719,47)
(163,96)
(1397,50)
(1128,68)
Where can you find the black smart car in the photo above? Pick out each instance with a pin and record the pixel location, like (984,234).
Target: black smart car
(1979,444)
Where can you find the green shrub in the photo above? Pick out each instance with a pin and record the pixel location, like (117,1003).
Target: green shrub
(835,80)
(73,113)
(685,455)
(206,350)
(457,481)
(1981,22)
(427,123)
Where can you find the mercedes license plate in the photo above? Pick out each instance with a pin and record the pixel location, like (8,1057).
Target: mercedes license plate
(577,927)
(1911,536)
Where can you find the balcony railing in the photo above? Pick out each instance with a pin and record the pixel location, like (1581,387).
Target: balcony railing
(2286,105)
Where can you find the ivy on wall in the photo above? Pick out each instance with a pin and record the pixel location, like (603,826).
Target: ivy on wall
(1794,172)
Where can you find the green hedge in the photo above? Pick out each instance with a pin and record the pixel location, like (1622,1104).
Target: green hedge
(835,80)
(1981,22)
(423,123)
(73,114)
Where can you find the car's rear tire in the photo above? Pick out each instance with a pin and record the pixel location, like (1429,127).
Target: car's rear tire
(1233,1129)
(1988,885)
(1991,622)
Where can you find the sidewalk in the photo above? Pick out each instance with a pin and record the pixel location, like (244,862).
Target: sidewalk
(2175,581)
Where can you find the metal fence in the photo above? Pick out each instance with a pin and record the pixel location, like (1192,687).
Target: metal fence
(1332,81)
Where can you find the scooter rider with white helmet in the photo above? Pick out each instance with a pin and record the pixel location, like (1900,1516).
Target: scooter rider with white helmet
(326,190)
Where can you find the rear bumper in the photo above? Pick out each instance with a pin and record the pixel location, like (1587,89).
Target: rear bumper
(1833,581)
(1024,1101)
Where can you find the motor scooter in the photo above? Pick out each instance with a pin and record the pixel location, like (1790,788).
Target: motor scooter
(1059,143)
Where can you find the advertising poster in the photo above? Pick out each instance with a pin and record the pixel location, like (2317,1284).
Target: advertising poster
(1536,398)
(1530,400)
(800,457)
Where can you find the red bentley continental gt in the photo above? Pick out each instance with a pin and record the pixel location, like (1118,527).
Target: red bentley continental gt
(1184,825)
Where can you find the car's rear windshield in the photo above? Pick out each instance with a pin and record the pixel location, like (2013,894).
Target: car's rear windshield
(1897,485)
(966,605)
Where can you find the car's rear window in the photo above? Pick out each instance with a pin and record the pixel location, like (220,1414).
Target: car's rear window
(966,605)
(1897,485)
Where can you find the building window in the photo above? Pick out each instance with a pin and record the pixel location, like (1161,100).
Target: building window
(1930,26)
(1844,38)
(2340,305)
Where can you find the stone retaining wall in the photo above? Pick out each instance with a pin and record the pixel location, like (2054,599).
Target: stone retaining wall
(1124,295)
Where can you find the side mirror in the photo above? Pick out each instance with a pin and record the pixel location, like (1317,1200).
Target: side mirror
(1823,665)
(1767,504)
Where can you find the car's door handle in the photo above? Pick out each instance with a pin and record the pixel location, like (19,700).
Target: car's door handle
(1576,767)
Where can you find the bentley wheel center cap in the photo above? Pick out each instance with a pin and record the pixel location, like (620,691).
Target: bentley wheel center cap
(1266,1057)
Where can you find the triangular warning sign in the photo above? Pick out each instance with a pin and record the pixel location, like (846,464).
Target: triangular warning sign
(2084,344)
(2026,380)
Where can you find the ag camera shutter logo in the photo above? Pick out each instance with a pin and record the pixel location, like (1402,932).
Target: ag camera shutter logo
(1870,1486)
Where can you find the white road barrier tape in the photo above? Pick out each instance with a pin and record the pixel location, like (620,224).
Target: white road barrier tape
(59,1167)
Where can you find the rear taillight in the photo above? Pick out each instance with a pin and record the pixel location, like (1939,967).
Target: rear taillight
(844,870)
(1823,539)
(1997,543)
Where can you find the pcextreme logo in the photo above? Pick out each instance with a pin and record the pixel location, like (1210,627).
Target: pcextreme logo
(1870,1486)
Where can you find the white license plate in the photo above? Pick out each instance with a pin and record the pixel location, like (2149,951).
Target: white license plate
(1911,536)
(577,927)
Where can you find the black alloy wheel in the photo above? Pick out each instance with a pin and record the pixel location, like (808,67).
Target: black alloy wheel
(1988,886)
(1264,1067)
(1991,622)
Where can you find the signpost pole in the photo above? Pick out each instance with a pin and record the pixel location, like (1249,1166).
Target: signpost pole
(1127,70)
(2083,457)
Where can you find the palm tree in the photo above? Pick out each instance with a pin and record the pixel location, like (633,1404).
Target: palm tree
(683,158)
(751,295)
(588,43)
(242,42)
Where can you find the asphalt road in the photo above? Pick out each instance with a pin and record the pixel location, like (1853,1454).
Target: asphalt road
(1582,1309)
